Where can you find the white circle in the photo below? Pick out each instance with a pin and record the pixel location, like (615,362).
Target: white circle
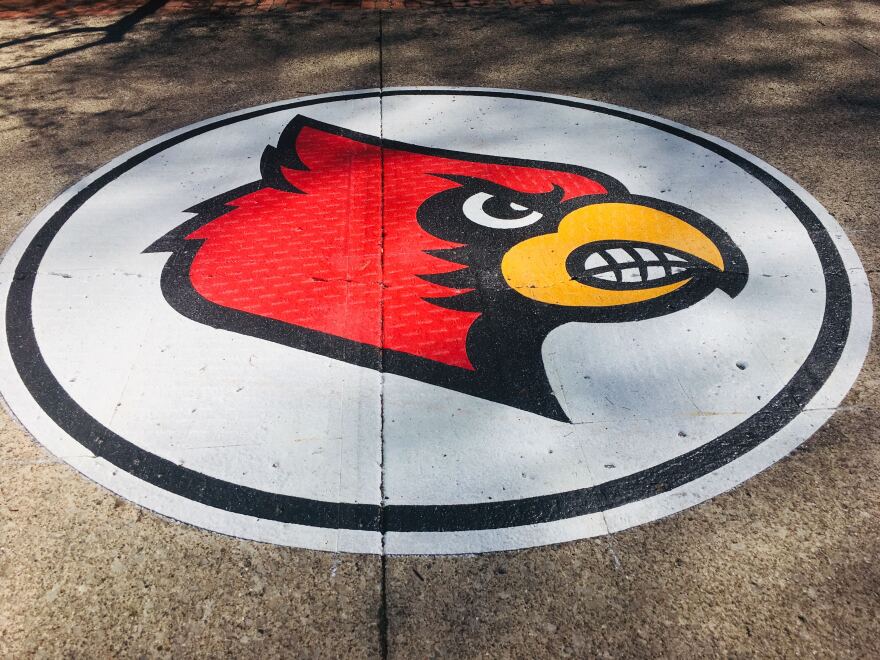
(408,457)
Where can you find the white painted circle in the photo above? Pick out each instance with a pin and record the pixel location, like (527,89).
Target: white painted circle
(302,449)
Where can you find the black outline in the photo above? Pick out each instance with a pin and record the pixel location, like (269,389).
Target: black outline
(777,413)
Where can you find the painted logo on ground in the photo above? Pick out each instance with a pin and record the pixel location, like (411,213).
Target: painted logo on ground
(430,320)
(467,261)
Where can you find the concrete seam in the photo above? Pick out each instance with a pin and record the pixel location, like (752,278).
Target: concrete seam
(383,590)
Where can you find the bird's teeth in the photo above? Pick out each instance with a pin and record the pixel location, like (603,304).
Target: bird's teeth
(620,255)
(630,275)
(634,265)
(646,254)
(610,275)
(656,272)
(595,260)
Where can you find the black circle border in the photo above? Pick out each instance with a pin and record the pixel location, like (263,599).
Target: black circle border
(235,498)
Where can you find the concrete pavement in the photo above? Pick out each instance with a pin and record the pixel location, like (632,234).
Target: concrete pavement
(784,565)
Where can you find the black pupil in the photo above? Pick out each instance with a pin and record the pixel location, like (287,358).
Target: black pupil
(501,209)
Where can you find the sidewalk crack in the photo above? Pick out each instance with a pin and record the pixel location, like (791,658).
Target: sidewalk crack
(383,588)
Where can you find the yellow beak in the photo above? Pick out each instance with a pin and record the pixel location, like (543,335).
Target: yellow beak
(540,267)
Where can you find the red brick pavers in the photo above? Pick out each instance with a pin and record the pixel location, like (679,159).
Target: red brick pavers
(72,8)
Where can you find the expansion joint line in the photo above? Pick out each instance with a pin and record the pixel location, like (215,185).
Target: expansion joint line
(383,590)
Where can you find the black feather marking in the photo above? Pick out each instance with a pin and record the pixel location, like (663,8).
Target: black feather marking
(456,255)
(462,302)
(271,164)
(454,279)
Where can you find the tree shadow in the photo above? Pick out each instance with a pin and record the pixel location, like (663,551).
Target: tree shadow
(762,74)
(113,33)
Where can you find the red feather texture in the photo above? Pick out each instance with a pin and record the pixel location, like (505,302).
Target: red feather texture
(319,258)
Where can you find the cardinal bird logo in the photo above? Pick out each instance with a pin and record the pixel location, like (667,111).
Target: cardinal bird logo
(446,267)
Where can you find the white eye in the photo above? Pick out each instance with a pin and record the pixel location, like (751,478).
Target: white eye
(491,211)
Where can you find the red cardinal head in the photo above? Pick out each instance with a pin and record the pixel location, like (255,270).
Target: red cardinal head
(441,266)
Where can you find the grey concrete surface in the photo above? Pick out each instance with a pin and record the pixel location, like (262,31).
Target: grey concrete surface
(784,566)
(82,572)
